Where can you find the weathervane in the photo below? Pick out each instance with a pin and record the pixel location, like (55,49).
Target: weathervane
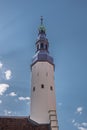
(41,20)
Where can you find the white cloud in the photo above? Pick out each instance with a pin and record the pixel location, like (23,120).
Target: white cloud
(13,94)
(0,101)
(79,110)
(59,104)
(1,65)
(28,103)
(76,124)
(8,74)
(80,126)
(73,121)
(24,98)
(7,113)
(84,124)
(3,88)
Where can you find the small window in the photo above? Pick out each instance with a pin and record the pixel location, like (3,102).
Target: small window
(51,88)
(46,74)
(42,46)
(46,47)
(37,47)
(42,85)
(33,88)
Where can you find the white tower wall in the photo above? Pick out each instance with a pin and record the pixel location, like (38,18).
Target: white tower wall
(42,92)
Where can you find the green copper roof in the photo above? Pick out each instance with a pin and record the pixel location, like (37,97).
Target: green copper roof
(42,28)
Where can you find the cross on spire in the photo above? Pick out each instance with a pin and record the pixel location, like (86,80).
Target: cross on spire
(41,27)
(41,20)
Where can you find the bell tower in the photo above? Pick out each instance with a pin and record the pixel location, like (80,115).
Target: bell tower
(43,102)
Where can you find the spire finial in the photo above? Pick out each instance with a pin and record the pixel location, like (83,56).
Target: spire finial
(41,27)
(41,20)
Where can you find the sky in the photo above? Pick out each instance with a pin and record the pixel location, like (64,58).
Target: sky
(66,29)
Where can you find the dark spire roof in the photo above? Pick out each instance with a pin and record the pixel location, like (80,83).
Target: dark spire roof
(42,47)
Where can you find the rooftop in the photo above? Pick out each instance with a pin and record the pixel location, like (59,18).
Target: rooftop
(21,123)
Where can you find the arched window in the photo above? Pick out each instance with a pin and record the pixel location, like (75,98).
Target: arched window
(42,46)
(46,46)
(37,47)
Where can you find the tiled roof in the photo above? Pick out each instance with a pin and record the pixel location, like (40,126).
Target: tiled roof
(21,123)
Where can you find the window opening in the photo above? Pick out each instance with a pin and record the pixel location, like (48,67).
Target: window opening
(42,45)
(33,88)
(37,47)
(46,47)
(42,85)
(51,88)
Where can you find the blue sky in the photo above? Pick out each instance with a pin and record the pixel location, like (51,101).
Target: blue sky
(66,28)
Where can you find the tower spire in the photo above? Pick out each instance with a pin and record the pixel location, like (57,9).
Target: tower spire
(41,27)
(43,103)
(41,20)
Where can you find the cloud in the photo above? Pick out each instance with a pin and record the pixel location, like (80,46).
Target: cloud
(59,104)
(1,70)
(7,113)
(1,65)
(0,101)
(28,103)
(12,94)
(76,124)
(73,120)
(79,110)
(3,88)
(80,126)
(8,74)
(24,98)
(84,124)
(4,73)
